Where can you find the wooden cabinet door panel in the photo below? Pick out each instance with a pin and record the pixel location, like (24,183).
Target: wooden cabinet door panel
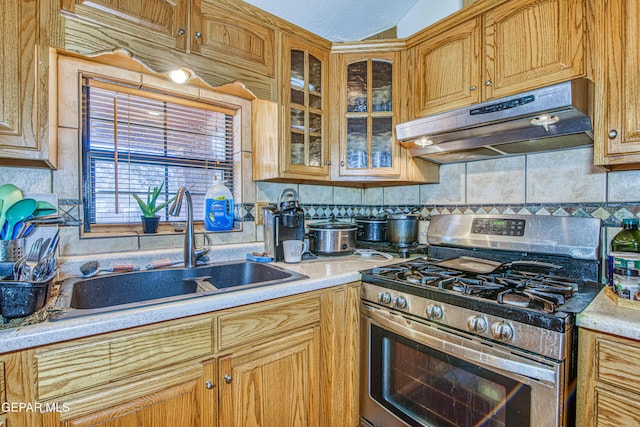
(621,128)
(275,385)
(176,406)
(24,83)
(163,21)
(448,69)
(532,43)
(614,410)
(11,84)
(217,34)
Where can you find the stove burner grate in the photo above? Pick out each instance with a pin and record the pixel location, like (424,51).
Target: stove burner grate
(515,288)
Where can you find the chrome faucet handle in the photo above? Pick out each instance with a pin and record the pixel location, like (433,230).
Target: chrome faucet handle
(203,251)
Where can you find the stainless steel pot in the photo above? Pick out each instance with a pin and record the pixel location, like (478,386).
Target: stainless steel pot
(371,229)
(402,229)
(332,238)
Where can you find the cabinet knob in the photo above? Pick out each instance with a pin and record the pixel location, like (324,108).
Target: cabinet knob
(181,32)
(227,379)
(489,83)
(342,163)
(198,34)
(473,88)
(613,134)
(209,385)
(328,163)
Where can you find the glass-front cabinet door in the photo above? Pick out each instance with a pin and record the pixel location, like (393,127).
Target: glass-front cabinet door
(305,150)
(368,140)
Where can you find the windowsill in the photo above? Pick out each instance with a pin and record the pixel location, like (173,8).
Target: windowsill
(164,230)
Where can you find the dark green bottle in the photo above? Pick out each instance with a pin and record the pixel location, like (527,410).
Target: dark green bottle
(627,240)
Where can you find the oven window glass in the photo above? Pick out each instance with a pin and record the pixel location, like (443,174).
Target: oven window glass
(426,387)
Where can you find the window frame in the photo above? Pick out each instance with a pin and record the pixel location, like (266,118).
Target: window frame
(89,156)
(66,113)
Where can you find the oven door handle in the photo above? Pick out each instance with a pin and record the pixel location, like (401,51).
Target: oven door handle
(403,325)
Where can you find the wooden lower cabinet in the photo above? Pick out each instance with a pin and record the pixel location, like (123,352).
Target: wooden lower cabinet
(275,384)
(184,403)
(608,382)
(285,362)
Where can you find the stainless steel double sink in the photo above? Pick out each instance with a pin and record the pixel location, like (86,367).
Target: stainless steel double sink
(111,292)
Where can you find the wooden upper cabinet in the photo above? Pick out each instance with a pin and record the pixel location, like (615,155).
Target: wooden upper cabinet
(516,46)
(24,98)
(448,69)
(303,110)
(531,44)
(163,22)
(218,34)
(368,84)
(617,119)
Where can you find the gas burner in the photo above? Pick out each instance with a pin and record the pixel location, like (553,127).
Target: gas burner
(531,298)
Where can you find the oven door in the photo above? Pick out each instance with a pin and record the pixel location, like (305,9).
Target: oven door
(420,375)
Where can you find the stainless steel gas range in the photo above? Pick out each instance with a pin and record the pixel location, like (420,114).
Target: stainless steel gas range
(480,332)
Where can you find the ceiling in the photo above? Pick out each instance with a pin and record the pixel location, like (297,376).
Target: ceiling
(339,20)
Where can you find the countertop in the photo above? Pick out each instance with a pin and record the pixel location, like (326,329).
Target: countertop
(323,272)
(604,315)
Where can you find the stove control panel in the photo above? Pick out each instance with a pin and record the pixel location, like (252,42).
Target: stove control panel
(498,226)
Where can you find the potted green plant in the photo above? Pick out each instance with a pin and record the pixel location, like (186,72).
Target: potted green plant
(149,209)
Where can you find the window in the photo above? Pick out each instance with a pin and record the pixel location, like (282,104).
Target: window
(135,139)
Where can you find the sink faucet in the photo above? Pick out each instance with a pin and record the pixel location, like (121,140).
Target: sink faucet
(191,253)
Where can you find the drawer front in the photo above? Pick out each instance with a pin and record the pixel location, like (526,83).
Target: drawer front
(618,364)
(615,410)
(266,321)
(67,370)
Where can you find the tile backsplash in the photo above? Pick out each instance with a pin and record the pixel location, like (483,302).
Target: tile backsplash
(561,183)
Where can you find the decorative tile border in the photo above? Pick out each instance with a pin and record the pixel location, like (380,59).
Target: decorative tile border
(611,214)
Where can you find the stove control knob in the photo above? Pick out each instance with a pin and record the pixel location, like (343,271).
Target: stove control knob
(400,303)
(502,331)
(477,324)
(434,312)
(384,298)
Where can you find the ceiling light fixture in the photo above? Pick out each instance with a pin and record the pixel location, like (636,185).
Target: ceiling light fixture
(545,120)
(423,141)
(180,75)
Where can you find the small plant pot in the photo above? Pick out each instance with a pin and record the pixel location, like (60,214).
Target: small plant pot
(150,224)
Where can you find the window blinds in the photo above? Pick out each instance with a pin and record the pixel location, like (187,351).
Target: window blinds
(135,139)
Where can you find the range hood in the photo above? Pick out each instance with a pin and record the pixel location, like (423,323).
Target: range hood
(551,118)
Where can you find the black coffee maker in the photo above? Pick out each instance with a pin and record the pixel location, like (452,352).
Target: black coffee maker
(282,222)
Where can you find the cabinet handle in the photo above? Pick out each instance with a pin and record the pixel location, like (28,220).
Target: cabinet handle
(489,83)
(342,163)
(198,34)
(473,88)
(209,385)
(181,32)
(613,134)
(227,379)
(328,163)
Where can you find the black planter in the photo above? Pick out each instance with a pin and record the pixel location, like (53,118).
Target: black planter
(150,225)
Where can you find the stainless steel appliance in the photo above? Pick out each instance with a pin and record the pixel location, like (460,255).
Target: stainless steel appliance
(546,119)
(446,347)
(282,222)
(332,238)
(371,229)
(402,229)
